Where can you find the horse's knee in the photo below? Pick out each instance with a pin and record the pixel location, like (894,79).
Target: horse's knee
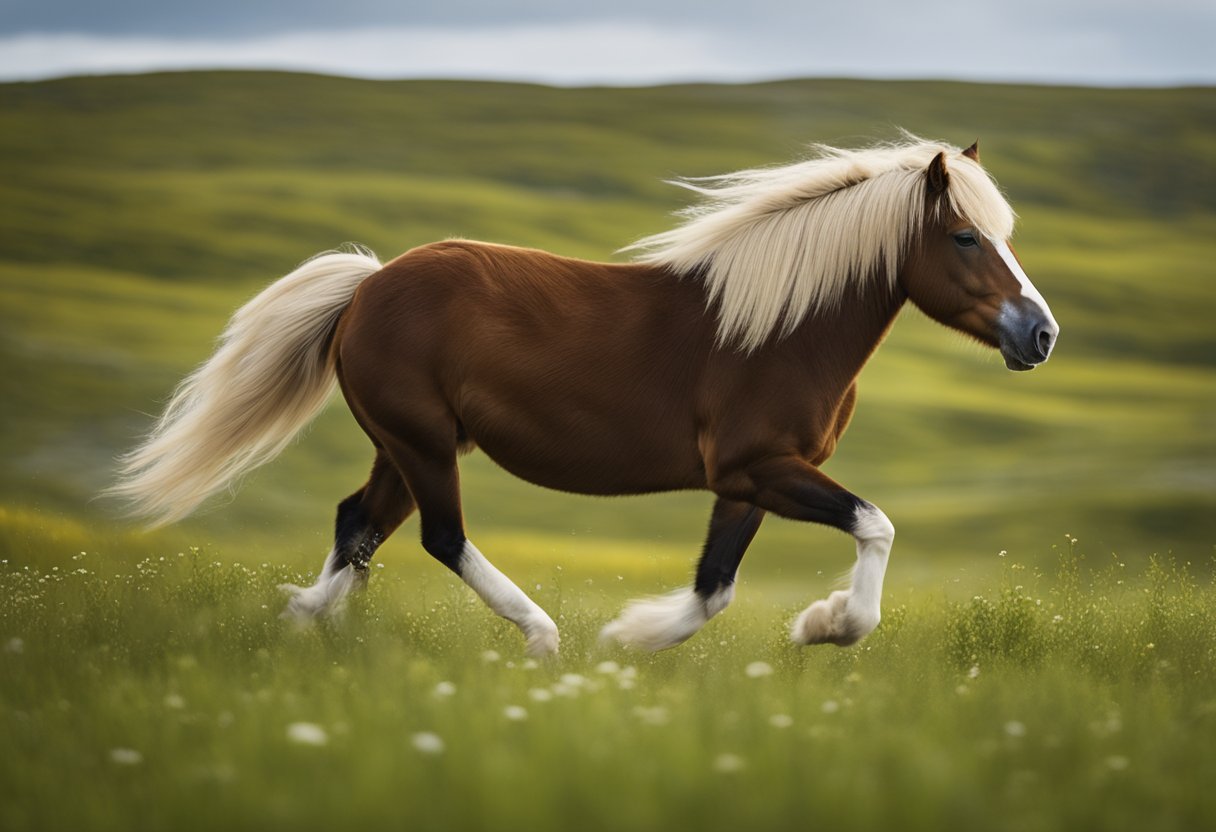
(870,523)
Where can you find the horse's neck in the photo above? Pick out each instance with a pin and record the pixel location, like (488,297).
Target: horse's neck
(846,336)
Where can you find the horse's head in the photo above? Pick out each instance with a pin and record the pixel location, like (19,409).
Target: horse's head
(969,279)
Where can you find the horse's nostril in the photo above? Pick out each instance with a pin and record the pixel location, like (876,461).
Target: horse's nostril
(1045,340)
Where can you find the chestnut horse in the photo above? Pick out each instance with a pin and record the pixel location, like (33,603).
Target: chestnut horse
(725,358)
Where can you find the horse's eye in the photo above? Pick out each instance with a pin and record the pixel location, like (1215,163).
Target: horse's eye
(966,239)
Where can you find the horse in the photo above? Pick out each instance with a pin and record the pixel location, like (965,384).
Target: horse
(723,356)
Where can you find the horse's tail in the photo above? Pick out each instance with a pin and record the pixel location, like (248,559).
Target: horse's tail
(270,375)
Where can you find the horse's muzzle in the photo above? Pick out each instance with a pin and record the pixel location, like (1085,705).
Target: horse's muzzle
(1027,337)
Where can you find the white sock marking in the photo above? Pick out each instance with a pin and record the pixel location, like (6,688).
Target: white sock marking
(508,600)
(874,534)
(846,616)
(665,620)
(325,597)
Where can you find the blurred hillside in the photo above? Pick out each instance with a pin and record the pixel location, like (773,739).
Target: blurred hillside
(137,212)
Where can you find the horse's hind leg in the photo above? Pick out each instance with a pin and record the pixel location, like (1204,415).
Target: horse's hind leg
(365,520)
(667,620)
(434,480)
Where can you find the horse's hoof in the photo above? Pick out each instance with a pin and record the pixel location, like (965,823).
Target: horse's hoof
(657,623)
(543,643)
(304,604)
(830,621)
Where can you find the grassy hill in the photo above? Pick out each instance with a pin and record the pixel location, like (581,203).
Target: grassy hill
(137,212)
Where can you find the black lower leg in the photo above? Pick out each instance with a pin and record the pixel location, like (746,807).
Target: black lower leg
(355,538)
(792,487)
(367,517)
(444,541)
(435,484)
(731,529)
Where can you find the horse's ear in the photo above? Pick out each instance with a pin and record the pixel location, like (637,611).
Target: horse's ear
(973,152)
(936,178)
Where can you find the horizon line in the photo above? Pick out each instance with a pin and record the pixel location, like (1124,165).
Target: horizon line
(760,79)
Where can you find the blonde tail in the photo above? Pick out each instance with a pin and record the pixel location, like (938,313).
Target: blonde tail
(271,374)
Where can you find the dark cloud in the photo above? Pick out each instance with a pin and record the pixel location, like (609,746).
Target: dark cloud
(206,18)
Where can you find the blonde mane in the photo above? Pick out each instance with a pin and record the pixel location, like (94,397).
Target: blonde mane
(776,244)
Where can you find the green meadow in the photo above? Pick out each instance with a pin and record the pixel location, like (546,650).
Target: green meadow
(1019,680)
(166,695)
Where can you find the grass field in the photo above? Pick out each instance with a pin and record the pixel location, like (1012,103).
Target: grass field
(167,696)
(148,682)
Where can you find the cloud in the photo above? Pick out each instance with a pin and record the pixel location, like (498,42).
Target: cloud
(560,54)
(985,44)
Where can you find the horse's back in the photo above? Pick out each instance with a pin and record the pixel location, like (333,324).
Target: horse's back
(460,297)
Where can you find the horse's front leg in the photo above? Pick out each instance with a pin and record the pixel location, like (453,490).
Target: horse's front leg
(667,620)
(793,488)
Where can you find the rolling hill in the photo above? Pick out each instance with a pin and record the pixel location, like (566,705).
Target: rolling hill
(137,212)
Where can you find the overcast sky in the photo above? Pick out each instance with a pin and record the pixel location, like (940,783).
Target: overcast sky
(623,41)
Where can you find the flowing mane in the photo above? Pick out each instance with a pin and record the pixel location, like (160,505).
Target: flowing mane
(776,244)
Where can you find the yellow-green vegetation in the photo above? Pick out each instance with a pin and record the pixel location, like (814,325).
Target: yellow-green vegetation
(136,213)
(166,695)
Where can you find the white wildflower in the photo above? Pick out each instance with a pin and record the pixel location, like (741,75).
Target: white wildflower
(444,690)
(540,695)
(781,720)
(729,763)
(830,706)
(515,713)
(307,733)
(126,756)
(1015,729)
(757,669)
(427,743)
